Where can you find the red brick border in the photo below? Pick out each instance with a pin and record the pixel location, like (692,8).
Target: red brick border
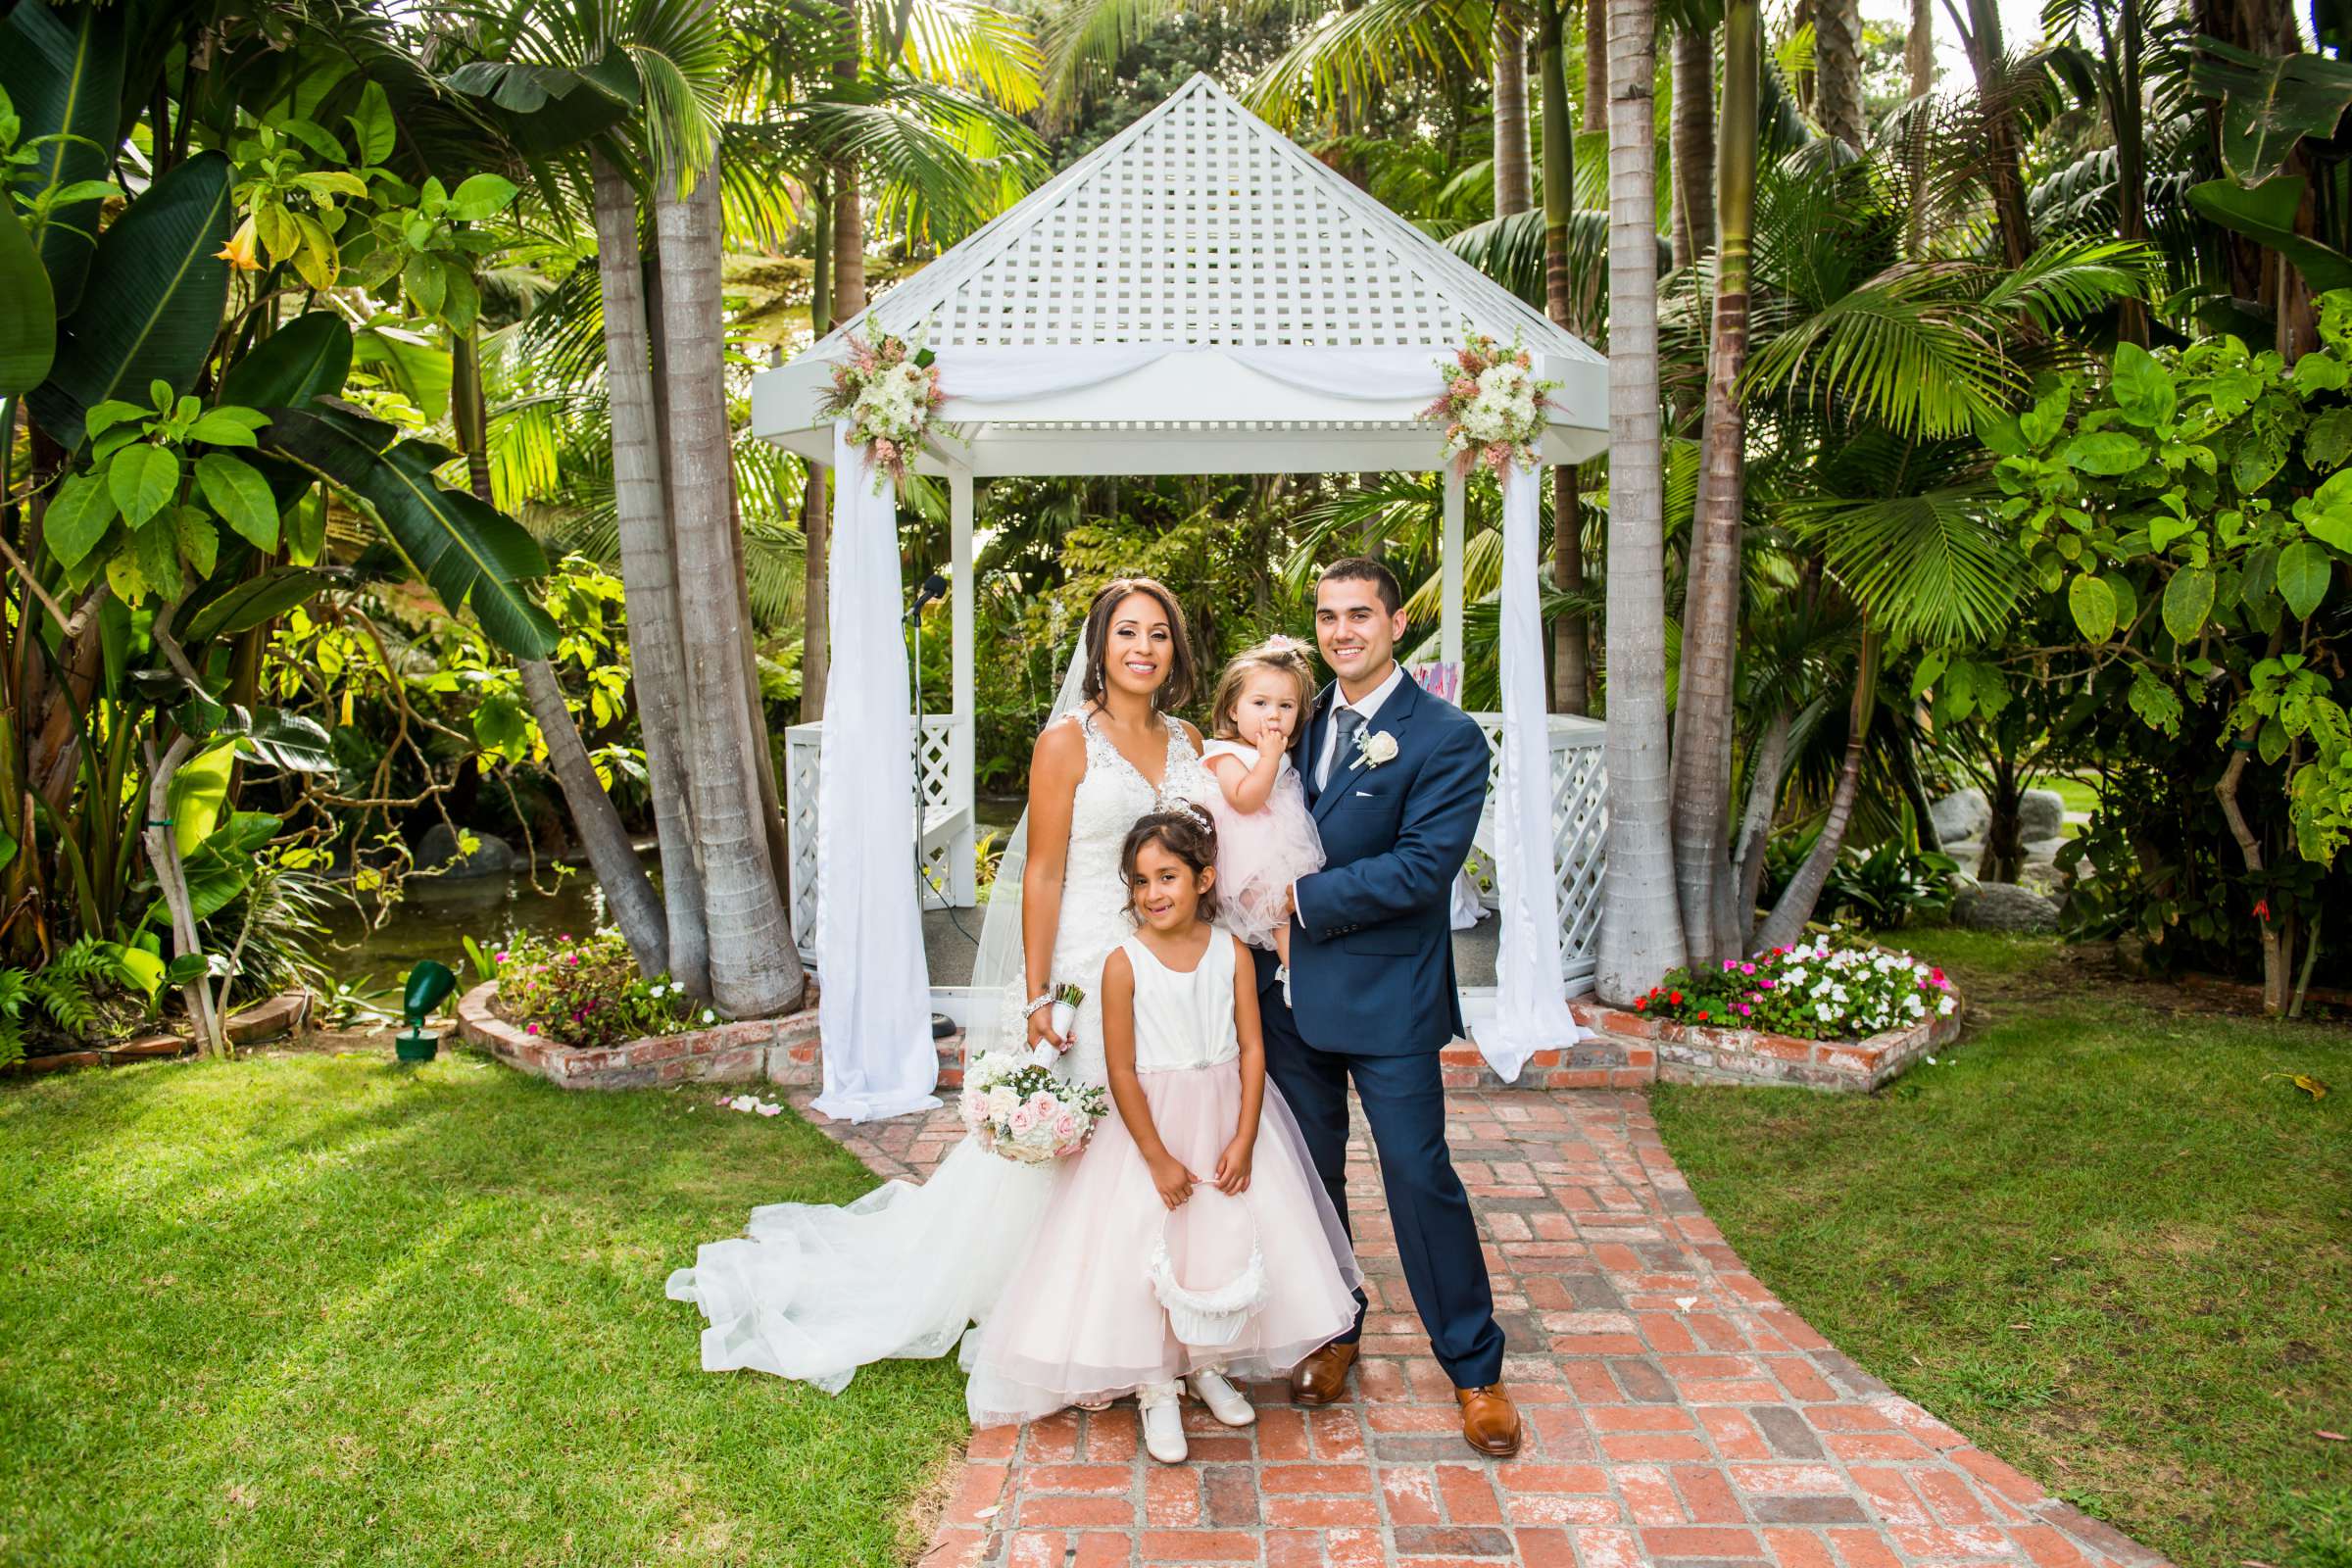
(777,1050)
(1625,1050)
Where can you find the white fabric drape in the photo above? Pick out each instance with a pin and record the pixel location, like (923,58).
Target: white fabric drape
(1530,1005)
(874,997)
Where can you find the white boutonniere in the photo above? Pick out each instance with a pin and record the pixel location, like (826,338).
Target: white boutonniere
(1373,747)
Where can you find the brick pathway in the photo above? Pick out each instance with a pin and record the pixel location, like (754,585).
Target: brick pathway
(1676,1412)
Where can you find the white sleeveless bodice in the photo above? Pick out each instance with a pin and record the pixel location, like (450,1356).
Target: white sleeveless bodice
(1183,1019)
(1110,798)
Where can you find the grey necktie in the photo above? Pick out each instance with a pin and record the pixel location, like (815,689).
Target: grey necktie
(1343,744)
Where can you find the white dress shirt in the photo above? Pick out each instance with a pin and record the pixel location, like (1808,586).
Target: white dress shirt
(1368,704)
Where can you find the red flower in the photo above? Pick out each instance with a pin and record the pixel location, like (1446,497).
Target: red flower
(1641,1002)
(1702,1015)
(2261,909)
(1676,997)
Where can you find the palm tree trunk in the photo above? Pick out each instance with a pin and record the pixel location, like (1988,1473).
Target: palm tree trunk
(657,650)
(1515,180)
(1596,64)
(1694,125)
(1703,709)
(1919,48)
(2005,174)
(1788,916)
(1641,932)
(1837,69)
(1571,638)
(610,855)
(2129,121)
(754,968)
(816,519)
(1764,764)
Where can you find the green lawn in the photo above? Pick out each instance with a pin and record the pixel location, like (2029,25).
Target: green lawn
(316,1310)
(2096,1238)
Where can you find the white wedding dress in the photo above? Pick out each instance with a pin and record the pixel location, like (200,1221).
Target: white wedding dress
(815,1292)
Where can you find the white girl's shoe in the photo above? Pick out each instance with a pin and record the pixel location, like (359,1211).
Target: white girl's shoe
(1163,1422)
(1225,1401)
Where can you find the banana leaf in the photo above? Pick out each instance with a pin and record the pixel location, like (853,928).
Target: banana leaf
(62,69)
(470,553)
(27,313)
(152,304)
(2267,102)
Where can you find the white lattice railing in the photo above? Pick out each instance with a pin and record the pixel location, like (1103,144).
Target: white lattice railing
(1579,833)
(950,872)
(1579,827)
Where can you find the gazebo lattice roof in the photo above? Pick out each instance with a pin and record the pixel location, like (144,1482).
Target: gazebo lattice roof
(1202,231)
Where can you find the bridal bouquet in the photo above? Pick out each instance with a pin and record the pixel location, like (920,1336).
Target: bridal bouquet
(888,393)
(1493,409)
(1019,1107)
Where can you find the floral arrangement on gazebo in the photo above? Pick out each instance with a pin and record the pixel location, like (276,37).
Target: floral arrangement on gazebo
(1493,409)
(888,392)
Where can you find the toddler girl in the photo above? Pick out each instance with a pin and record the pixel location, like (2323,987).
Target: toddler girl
(1181,1244)
(1265,838)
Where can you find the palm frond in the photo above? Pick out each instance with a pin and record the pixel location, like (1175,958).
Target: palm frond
(1935,567)
(1894,349)
(975,47)
(1350,55)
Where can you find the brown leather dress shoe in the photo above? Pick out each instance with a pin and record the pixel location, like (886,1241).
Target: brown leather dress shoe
(1322,1377)
(1490,1422)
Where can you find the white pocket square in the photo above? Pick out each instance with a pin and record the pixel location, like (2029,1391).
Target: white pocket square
(1364,795)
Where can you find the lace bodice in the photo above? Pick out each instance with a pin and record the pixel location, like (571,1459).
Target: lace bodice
(1110,796)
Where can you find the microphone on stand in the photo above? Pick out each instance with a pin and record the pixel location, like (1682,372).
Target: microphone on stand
(934,588)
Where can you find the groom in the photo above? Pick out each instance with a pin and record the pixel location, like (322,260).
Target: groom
(1396,779)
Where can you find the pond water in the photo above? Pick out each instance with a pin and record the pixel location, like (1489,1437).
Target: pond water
(436,913)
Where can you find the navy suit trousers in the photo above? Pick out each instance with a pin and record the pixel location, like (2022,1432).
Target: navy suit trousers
(1437,1236)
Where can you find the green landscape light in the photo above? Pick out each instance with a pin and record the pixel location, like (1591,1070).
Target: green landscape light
(429,984)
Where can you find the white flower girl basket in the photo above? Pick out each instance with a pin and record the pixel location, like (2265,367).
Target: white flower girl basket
(1212,1314)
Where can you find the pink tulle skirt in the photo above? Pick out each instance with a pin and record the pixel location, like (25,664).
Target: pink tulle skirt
(1259,854)
(1080,1322)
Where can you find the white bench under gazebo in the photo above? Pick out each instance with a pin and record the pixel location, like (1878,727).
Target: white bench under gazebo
(1198,295)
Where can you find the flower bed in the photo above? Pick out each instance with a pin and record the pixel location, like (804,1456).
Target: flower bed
(589,994)
(1830,987)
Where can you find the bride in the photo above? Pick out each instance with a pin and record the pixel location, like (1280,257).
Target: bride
(814,1293)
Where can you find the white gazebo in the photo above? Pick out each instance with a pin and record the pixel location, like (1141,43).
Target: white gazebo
(1198,295)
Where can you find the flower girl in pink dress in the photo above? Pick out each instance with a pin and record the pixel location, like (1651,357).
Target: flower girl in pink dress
(1192,1239)
(1267,838)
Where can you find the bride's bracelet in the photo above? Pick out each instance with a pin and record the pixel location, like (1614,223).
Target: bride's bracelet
(1038,1004)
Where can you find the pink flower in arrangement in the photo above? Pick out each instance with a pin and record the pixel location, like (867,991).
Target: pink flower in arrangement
(1464,387)
(1747,968)
(530,1028)
(1744,1009)
(1766,982)
(1727,966)
(1469,359)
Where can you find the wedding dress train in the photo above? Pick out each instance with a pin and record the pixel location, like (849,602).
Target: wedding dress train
(815,1292)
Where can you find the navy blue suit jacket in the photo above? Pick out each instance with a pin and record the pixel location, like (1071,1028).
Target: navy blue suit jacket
(1372,948)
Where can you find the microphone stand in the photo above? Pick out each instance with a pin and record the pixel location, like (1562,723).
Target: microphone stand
(942,1026)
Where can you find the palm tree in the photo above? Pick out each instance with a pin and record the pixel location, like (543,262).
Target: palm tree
(1641,934)
(1703,709)
(1514,177)
(1837,69)
(1693,109)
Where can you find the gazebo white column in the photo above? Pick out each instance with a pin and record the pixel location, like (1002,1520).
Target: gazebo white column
(1449,573)
(963,881)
